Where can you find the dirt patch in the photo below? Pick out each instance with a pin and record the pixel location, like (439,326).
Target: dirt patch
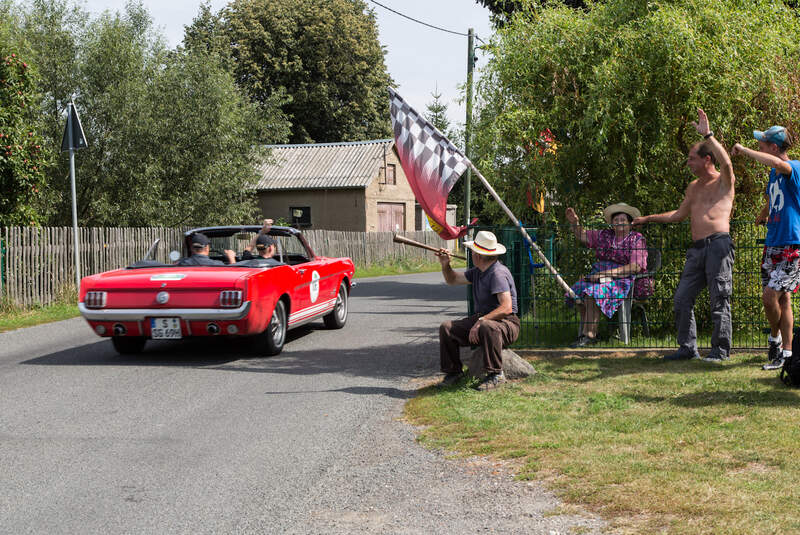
(753,468)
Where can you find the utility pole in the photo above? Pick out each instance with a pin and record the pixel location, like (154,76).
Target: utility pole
(468,129)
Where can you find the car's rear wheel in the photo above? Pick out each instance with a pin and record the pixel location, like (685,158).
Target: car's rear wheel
(274,336)
(128,345)
(338,316)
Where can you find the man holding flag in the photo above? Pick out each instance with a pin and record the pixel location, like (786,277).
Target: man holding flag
(494,325)
(433,165)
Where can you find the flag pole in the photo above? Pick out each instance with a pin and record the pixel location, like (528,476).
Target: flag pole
(530,241)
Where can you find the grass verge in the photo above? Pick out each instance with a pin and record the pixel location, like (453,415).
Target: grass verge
(654,447)
(403,267)
(15,318)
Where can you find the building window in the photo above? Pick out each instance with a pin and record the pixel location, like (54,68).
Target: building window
(300,216)
(387,175)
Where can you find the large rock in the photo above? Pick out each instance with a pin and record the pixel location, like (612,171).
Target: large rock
(514,366)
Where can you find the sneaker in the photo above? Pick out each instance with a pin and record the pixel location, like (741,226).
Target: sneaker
(775,351)
(774,364)
(450,379)
(491,381)
(583,341)
(681,355)
(578,342)
(715,356)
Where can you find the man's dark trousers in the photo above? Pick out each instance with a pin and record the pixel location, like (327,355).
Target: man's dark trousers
(709,262)
(493,336)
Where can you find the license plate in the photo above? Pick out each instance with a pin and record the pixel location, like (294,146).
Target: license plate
(165,328)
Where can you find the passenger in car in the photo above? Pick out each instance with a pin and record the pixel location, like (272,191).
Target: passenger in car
(264,244)
(201,246)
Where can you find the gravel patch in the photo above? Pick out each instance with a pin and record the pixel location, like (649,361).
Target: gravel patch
(391,484)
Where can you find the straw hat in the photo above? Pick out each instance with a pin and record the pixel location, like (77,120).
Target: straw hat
(609,212)
(485,243)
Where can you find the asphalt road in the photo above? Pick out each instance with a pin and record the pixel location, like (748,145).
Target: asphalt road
(199,437)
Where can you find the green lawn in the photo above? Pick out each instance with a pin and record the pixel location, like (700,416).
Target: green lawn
(653,446)
(402,268)
(14,318)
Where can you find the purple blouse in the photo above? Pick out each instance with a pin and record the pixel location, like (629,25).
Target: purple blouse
(632,248)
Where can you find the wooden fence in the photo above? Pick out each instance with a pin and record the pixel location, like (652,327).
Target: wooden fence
(37,264)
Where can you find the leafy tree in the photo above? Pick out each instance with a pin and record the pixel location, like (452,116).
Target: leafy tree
(22,156)
(213,133)
(618,85)
(171,137)
(504,10)
(324,55)
(205,33)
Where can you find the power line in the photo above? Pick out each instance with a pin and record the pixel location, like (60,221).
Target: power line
(420,22)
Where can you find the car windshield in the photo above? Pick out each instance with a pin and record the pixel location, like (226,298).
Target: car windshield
(289,250)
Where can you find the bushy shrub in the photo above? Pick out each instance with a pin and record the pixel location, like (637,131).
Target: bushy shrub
(618,84)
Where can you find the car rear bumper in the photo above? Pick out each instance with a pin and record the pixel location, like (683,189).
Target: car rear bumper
(139,314)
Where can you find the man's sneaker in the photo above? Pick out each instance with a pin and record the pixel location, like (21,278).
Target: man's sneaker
(491,381)
(775,351)
(450,379)
(774,364)
(584,341)
(578,342)
(681,355)
(715,356)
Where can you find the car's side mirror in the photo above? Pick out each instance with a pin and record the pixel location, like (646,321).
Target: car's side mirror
(174,256)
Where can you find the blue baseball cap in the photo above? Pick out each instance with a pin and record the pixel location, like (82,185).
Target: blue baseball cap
(773,134)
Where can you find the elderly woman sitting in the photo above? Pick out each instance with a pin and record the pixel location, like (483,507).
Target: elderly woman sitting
(620,253)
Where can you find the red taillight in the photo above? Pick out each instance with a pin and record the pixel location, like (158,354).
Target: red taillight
(95,299)
(230,298)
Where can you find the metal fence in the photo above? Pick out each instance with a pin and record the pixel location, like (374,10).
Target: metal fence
(549,321)
(37,266)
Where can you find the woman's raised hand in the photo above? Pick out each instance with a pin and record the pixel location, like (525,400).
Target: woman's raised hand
(572,217)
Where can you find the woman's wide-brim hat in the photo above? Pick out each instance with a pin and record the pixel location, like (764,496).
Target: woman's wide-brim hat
(485,243)
(609,212)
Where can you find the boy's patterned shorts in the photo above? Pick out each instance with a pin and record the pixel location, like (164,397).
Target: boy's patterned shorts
(780,268)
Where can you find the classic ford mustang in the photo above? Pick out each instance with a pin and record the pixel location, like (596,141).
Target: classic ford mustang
(252,296)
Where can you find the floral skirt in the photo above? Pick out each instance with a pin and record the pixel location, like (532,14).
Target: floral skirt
(607,295)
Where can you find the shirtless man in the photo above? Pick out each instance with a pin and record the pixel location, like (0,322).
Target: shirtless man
(709,262)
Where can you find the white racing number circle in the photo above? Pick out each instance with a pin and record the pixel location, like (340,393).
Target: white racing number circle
(314,286)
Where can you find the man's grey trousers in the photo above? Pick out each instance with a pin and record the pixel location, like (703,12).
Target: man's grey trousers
(709,262)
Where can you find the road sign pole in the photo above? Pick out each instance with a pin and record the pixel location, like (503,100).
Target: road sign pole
(76,243)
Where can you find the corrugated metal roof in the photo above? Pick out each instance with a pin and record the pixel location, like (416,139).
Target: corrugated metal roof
(323,165)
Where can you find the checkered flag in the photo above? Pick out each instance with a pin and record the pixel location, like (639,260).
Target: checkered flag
(432,164)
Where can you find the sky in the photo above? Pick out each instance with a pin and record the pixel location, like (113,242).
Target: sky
(421,60)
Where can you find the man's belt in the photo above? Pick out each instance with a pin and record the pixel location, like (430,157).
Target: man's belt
(699,244)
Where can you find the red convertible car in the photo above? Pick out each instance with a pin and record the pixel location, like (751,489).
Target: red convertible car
(256,297)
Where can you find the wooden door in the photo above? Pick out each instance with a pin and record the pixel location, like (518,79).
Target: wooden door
(391,216)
